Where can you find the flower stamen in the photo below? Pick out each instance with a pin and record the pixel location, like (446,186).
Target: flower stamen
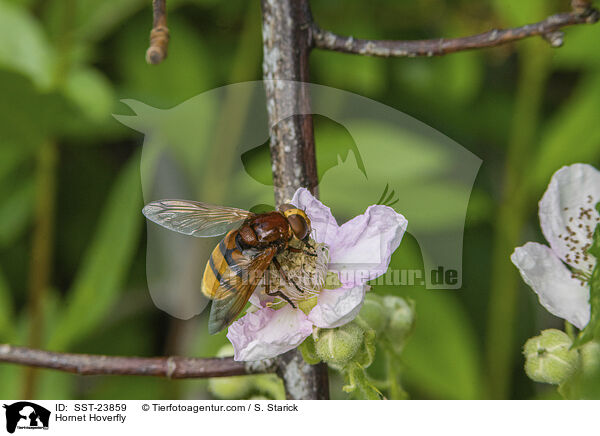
(306,274)
(578,236)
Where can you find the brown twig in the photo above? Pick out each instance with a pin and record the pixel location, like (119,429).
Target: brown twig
(549,29)
(286,46)
(170,367)
(159,35)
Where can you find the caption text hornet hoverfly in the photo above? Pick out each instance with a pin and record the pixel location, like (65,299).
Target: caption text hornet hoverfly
(239,261)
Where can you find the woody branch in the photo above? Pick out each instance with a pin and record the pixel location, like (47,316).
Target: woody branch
(169,367)
(549,29)
(286,47)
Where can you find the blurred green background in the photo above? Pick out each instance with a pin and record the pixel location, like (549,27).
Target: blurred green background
(72,238)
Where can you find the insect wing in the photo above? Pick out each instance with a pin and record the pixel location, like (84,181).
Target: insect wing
(236,287)
(193,217)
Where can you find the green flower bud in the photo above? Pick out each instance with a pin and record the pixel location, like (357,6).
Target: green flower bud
(373,313)
(229,388)
(401,320)
(549,359)
(338,346)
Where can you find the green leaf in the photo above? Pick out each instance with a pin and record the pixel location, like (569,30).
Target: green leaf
(91,91)
(96,19)
(29,116)
(572,135)
(106,263)
(24,47)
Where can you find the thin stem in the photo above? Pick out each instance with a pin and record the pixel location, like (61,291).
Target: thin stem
(170,367)
(159,35)
(511,218)
(549,29)
(41,252)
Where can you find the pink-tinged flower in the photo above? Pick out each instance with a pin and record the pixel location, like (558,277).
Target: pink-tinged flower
(559,274)
(357,251)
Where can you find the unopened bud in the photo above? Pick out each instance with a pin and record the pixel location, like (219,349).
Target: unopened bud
(338,346)
(549,359)
(373,313)
(401,319)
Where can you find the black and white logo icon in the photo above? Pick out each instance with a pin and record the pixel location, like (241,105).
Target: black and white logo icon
(26,415)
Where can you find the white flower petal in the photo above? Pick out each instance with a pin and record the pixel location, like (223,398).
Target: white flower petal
(364,245)
(324,225)
(336,307)
(568,215)
(558,292)
(267,333)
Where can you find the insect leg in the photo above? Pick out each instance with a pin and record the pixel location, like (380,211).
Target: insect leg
(307,242)
(276,293)
(309,245)
(299,250)
(284,275)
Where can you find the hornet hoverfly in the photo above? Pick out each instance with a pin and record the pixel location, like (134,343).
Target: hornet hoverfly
(239,261)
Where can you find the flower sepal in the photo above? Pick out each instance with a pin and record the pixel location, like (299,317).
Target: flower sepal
(309,353)
(358,384)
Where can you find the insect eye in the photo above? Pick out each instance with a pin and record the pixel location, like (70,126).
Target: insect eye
(299,226)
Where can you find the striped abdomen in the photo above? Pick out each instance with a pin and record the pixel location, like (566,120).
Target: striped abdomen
(225,256)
